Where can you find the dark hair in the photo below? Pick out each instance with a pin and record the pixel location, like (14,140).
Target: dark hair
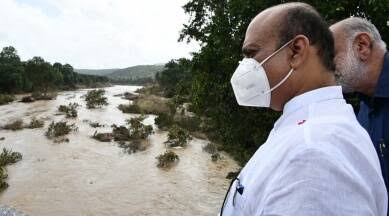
(303,19)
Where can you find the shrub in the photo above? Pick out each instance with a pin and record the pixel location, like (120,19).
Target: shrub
(103,137)
(43,95)
(70,110)
(59,129)
(95,124)
(14,125)
(133,146)
(7,157)
(35,123)
(5,99)
(137,129)
(167,159)
(189,123)
(210,148)
(120,133)
(95,98)
(177,137)
(27,99)
(163,121)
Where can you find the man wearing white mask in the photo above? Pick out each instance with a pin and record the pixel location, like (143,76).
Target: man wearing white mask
(317,159)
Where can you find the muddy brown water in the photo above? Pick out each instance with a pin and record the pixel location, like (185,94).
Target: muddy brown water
(87,177)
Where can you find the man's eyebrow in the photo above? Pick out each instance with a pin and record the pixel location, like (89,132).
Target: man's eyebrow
(250,51)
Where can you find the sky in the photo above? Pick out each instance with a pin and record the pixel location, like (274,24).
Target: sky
(95,34)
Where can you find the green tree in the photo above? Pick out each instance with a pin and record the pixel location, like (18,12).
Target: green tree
(42,74)
(11,70)
(219,26)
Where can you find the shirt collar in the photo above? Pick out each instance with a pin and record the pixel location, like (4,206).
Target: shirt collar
(314,96)
(382,88)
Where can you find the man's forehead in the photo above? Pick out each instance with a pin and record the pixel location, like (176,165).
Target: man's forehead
(261,30)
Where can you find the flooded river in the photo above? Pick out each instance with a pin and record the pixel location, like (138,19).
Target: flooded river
(87,177)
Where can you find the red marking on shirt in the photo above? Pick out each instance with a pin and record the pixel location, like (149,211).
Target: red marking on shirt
(302,122)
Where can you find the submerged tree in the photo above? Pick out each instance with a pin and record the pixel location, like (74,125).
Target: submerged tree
(96,98)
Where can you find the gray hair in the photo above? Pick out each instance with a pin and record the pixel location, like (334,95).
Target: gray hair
(354,25)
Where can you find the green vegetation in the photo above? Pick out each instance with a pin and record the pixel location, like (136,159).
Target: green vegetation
(137,129)
(130,108)
(7,157)
(164,121)
(35,123)
(167,159)
(103,137)
(57,129)
(70,110)
(132,138)
(204,81)
(177,137)
(95,98)
(146,104)
(6,98)
(38,75)
(14,125)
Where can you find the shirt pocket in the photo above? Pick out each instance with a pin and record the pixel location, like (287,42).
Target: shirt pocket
(239,204)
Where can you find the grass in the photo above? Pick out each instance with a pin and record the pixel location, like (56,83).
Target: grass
(146,104)
(167,159)
(59,129)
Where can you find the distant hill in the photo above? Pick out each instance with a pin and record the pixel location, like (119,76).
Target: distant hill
(101,72)
(139,72)
(136,72)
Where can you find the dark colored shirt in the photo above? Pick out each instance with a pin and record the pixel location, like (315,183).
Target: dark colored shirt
(374,117)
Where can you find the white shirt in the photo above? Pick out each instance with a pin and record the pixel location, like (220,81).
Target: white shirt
(317,161)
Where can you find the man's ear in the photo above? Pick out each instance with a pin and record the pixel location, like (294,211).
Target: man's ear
(299,51)
(363,44)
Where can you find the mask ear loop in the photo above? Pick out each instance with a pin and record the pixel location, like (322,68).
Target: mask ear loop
(281,82)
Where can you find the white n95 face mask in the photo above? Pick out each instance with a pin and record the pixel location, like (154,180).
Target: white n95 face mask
(250,83)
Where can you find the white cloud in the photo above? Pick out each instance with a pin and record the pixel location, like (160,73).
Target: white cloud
(95,33)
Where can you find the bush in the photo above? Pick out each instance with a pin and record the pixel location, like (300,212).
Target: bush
(35,123)
(5,99)
(137,129)
(167,159)
(95,98)
(164,121)
(7,157)
(189,123)
(59,129)
(120,133)
(27,99)
(133,146)
(14,125)
(70,110)
(95,124)
(103,137)
(177,137)
(210,148)
(130,108)
(43,96)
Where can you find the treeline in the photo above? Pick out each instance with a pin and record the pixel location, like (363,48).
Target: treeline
(204,81)
(38,75)
(133,81)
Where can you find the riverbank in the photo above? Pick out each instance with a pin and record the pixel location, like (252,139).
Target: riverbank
(88,177)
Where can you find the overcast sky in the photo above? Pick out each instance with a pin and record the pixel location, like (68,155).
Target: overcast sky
(95,34)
